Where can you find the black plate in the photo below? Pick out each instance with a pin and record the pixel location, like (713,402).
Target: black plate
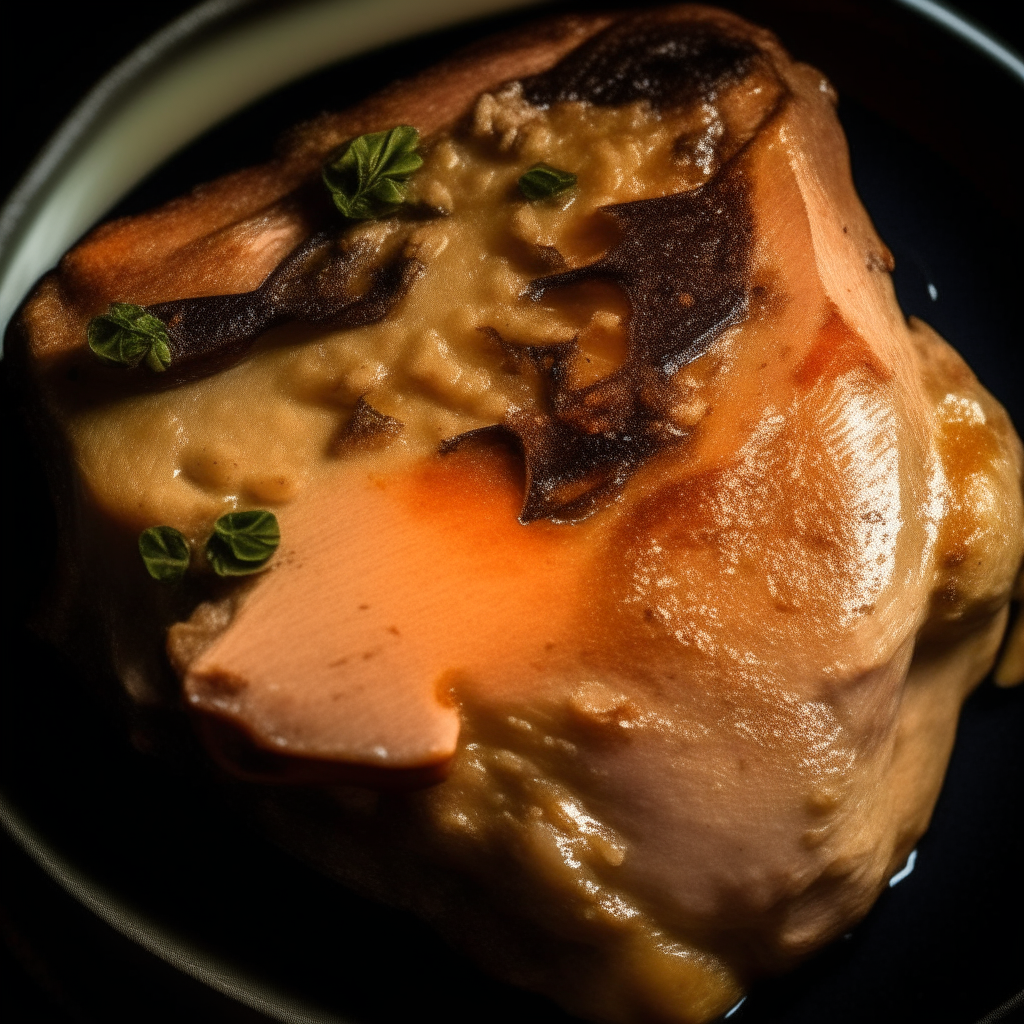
(934,129)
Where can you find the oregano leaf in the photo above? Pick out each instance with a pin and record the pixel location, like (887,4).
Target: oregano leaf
(127,335)
(243,542)
(165,553)
(367,176)
(542,181)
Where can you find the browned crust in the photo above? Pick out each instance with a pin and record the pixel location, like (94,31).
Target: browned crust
(227,235)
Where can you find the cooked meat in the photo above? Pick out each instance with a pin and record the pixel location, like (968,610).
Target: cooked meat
(636,553)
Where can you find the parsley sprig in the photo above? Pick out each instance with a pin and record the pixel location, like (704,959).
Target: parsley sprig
(367,177)
(542,181)
(243,542)
(127,335)
(165,553)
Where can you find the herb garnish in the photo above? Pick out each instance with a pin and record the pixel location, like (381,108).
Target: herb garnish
(165,553)
(127,335)
(243,542)
(320,282)
(313,284)
(542,181)
(367,176)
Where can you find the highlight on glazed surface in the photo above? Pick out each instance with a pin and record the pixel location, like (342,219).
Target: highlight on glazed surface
(636,553)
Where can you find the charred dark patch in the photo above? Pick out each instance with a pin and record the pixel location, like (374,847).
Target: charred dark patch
(317,283)
(669,63)
(367,428)
(682,261)
(642,58)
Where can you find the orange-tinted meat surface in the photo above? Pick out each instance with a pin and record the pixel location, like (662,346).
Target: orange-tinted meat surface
(634,566)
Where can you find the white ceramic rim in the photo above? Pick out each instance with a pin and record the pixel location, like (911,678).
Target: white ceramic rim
(200,69)
(960,26)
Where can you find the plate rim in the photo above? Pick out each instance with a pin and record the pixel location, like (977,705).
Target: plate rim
(149,67)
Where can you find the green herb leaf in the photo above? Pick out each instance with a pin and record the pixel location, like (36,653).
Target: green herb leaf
(367,176)
(127,335)
(165,553)
(542,181)
(243,542)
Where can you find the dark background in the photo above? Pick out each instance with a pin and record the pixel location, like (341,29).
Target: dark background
(57,961)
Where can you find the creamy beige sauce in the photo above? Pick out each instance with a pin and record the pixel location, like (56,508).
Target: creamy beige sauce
(737,657)
(258,433)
